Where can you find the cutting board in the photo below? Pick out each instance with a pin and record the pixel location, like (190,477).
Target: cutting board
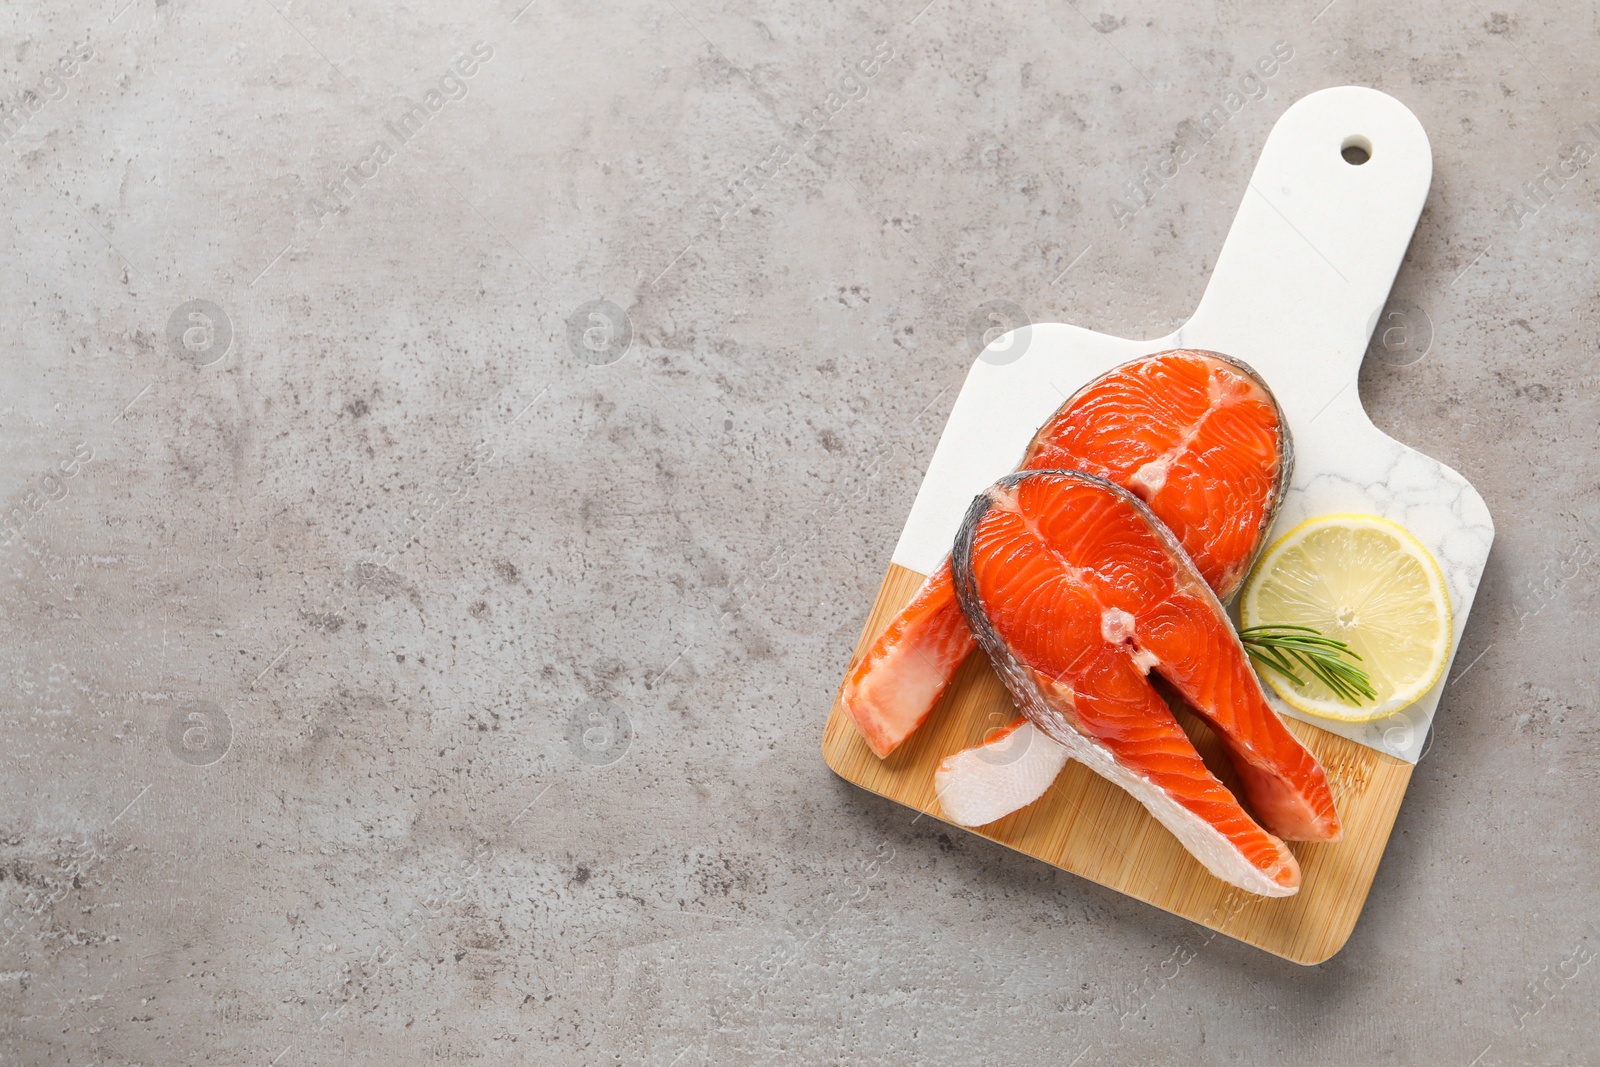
(1296,291)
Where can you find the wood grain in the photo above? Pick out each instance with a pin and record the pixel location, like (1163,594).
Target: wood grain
(1089,827)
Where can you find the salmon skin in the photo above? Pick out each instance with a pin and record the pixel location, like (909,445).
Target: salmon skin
(1077,591)
(1197,435)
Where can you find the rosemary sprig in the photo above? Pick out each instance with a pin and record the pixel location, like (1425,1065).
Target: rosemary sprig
(1282,647)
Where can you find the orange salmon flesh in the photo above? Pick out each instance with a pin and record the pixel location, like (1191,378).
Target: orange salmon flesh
(1197,436)
(1077,591)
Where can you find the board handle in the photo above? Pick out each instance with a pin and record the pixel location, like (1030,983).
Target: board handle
(1320,233)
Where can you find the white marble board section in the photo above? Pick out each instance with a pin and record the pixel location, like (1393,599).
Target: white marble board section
(1302,277)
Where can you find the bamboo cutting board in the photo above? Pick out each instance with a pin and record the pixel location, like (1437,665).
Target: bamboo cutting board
(1088,826)
(1296,292)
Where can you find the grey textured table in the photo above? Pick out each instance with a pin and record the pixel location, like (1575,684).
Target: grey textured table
(405,659)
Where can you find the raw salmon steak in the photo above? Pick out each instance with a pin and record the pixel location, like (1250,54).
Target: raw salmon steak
(1077,591)
(1197,435)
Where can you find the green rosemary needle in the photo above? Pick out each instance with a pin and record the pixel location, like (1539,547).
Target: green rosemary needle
(1284,648)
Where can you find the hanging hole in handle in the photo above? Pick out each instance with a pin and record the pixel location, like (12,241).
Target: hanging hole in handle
(1356,150)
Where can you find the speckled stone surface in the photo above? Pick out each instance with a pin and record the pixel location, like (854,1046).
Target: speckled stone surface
(447,453)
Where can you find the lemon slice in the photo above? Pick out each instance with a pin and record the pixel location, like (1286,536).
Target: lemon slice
(1367,582)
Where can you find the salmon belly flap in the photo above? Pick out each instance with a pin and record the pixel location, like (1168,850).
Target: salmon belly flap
(907,669)
(1194,434)
(1076,592)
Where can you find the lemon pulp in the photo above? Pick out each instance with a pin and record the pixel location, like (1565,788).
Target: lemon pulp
(1363,580)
